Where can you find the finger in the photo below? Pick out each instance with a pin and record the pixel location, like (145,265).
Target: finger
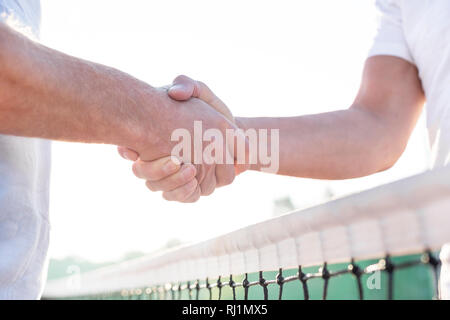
(200,173)
(195,196)
(208,185)
(128,154)
(176,180)
(184,88)
(224,175)
(156,169)
(182,193)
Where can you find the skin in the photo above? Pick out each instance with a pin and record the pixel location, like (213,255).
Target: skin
(47,94)
(366,138)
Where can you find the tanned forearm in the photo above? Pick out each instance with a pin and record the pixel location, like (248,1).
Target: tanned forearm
(48,94)
(335,145)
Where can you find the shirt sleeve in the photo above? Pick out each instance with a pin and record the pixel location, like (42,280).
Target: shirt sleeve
(23,16)
(390,38)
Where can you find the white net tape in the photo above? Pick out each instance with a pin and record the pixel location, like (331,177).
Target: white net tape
(407,216)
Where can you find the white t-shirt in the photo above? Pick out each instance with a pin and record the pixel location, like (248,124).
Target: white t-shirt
(419,32)
(24,186)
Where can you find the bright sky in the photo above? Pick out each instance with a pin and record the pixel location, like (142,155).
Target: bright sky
(263,58)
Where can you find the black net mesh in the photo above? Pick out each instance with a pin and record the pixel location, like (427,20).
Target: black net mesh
(417,277)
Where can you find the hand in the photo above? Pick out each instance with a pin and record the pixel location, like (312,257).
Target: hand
(184,88)
(177,180)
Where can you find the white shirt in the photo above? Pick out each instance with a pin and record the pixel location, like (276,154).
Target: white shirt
(24,186)
(419,32)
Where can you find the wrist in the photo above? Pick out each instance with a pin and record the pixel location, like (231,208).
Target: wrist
(244,124)
(150,133)
(140,131)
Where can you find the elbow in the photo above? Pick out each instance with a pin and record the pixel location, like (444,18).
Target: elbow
(389,156)
(386,166)
(385,142)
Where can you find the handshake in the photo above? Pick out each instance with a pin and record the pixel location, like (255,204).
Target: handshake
(204,159)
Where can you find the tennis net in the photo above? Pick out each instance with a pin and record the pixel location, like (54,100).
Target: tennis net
(387,242)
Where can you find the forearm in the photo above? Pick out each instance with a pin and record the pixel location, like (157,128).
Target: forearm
(51,95)
(335,145)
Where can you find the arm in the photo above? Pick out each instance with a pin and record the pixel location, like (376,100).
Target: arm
(47,94)
(366,138)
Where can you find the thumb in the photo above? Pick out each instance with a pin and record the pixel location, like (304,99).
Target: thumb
(128,153)
(184,88)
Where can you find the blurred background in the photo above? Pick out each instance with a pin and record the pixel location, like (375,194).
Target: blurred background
(263,58)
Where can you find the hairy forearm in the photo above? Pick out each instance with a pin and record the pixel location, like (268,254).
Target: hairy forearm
(336,145)
(51,95)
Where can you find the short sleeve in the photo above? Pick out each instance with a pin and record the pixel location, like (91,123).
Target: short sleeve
(390,38)
(23,16)
(3,13)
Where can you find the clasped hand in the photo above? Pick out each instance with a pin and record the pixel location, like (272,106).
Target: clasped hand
(177,179)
